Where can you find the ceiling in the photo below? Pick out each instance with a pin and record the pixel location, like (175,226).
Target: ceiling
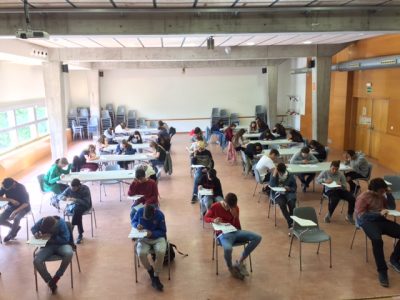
(192,3)
(200,40)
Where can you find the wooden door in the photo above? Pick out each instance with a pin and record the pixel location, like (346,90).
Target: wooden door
(380,111)
(362,124)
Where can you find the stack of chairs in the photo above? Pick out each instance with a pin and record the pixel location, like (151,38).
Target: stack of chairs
(142,123)
(215,116)
(83,120)
(223,116)
(110,109)
(261,113)
(234,119)
(121,115)
(132,119)
(72,116)
(106,121)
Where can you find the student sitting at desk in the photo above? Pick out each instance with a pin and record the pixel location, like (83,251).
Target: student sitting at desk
(152,220)
(261,125)
(121,128)
(371,211)
(210,181)
(110,135)
(86,156)
(80,200)
(59,243)
(319,149)
(336,193)
(253,127)
(359,166)
(201,157)
(287,199)
(145,187)
(238,140)
(266,164)
(165,142)
(227,211)
(280,131)
(229,132)
(159,154)
(102,144)
(18,206)
(148,169)
(125,148)
(50,183)
(295,136)
(197,133)
(252,150)
(135,138)
(304,156)
(163,124)
(266,135)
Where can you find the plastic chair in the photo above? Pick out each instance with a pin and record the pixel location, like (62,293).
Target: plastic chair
(132,114)
(90,212)
(40,179)
(217,244)
(111,182)
(246,163)
(58,258)
(141,122)
(272,202)
(259,180)
(215,112)
(395,187)
(84,122)
(131,122)
(309,234)
(27,225)
(84,112)
(366,179)
(93,126)
(234,119)
(357,228)
(72,112)
(153,124)
(105,114)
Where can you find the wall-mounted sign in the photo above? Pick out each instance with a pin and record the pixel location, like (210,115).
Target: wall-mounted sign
(364,120)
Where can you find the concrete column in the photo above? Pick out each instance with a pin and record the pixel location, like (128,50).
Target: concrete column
(321,86)
(94,92)
(55,103)
(67,94)
(272,99)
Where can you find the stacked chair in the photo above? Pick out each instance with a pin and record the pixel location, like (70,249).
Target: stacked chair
(106,121)
(121,115)
(234,119)
(223,116)
(131,122)
(214,116)
(261,113)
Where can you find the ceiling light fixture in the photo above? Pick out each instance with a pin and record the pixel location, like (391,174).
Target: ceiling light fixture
(250,43)
(307,42)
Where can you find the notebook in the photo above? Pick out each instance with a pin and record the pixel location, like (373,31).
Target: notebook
(394,213)
(332,185)
(279,189)
(224,227)
(136,234)
(303,222)
(37,242)
(135,197)
(205,192)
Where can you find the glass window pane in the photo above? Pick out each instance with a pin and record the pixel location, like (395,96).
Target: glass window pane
(42,128)
(41,113)
(24,115)
(5,141)
(6,119)
(26,134)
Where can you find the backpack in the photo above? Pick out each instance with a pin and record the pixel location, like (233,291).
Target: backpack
(171,252)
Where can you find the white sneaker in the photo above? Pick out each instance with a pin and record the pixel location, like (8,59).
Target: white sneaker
(242,268)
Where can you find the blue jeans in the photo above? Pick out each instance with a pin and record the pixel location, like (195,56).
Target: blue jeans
(17,219)
(198,173)
(221,138)
(207,201)
(227,240)
(65,251)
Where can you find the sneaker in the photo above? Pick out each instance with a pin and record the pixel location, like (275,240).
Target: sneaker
(16,232)
(327,218)
(79,239)
(156,283)
(236,272)
(7,238)
(151,273)
(52,286)
(349,218)
(242,268)
(395,265)
(383,278)
(194,199)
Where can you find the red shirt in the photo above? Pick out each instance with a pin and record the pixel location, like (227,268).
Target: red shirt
(218,211)
(148,189)
(229,134)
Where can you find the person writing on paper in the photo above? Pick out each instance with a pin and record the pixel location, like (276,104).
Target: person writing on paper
(135,138)
(80,201)
(336,193)
(360,169)
(110,135)
(304,157)
(145,187)
(253,127)
(151,220)
(211,182)
(285,199)
(266,164)
(59,242)
(18,206)
(159,154)
(50,180)
(125,148)
(227,211)
(201,157)
(371,211)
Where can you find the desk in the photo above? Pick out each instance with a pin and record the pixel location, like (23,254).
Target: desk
(98,176)
(114,157)
(284,151)
(273,142)
(143,130)
(145,137)
(238,127)
(314,168)
(113,147)
(251,135)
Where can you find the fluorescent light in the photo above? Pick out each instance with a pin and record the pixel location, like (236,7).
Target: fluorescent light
(250,43)
(307,42)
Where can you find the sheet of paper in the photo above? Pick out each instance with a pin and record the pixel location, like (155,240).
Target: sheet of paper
(303,222)
(206,192)
(394,213)
(139,206)
(224,227)
(278,189)
(37,242)
(135,197)
(136,234)
(3,203)
(388,182)
(309,166)
(332,185)
(197,166)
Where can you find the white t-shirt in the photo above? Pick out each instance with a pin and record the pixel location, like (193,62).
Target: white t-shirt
(118,129)
(264,165)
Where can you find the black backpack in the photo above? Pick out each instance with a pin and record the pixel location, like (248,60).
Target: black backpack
(171,252)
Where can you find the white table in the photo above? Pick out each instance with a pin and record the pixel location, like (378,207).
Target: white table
(314,168)
(114,157)
(99,176)
(273,142)
(238,127)
(143,130)
(113,147)
(251,135)
(284,151)
(145,137)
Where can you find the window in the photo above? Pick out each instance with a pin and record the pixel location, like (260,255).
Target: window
(22,125)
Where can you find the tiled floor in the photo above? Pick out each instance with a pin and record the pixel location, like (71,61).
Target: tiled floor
(107,259)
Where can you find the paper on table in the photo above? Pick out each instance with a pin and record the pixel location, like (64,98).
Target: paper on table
(37,242)
(303,222)
(136,234)
(309,165)
(388,182)
(224,227)
(278,188)
(331,185)
(394,213)
(206,192)
(135,197)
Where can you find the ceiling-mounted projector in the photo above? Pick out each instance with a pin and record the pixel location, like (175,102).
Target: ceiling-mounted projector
(31,34)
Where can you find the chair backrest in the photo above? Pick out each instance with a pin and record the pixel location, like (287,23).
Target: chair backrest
(121,110)
(369,172)
(105,114)
(72,112)
(223,113)
(73,123)
(132,114)
(84,112)
(115,167)
(215,112)
(153,124)
(41,182)
(110,107)
(394,180)
(307,213)
(257,176)
(94,121)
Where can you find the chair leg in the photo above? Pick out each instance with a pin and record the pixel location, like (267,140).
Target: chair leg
(354,236)
(72,276)
(135,258)
(275,214)
(290,247)
(320,204)
(319,245)
(330,253)
(251,264)
(94,216)
(77,261)
(300,254)
(35,273)
(269,208)
(216,257)
(213,249)
(91,222)
(169,263)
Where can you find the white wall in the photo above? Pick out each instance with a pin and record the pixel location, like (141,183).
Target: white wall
(294,85)
(19,83)
(170,94)
(78,91)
